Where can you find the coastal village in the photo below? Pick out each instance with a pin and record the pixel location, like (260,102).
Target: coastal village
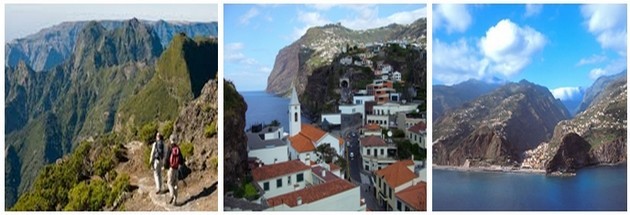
(368,156)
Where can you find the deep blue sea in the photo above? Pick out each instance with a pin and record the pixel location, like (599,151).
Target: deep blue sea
(263,108)
(597,188)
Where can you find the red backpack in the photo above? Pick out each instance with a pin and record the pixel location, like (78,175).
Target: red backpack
(174,159)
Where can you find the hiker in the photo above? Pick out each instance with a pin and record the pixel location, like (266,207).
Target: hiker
(157,154)
(174,162)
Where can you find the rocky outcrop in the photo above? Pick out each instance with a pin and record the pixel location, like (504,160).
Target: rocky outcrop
(235,140)
(191,124)
(497,128)
(573,153)
(596,89)
(602,126)
(449,97)
(319,46)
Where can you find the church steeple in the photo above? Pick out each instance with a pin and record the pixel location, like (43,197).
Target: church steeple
(295,113)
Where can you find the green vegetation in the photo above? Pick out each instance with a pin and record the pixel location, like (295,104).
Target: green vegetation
(210,129)
(167,129)
(406,149)
(187,149)
(247,190)
(214,162)
(148,131)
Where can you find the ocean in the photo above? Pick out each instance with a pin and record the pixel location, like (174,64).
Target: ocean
(263,107)
(596,188)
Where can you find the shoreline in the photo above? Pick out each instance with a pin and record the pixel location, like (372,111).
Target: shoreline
(518,170)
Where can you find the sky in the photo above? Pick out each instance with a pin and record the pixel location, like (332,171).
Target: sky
(562,47)
(25,19)
(255,33)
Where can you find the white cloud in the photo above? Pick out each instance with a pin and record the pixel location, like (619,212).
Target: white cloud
(593,59)
(250,14)
(510,47)
(308,20)
(532,9)
(233,53)
(322,7)
(468,64)
(567,93)
(608,24)
(610,69)
(452,17)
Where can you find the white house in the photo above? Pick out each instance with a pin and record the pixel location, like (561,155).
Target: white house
(332,118)
(347,60)
(371,130)
(359,99)
(324,190)
(305,138)
(376,153)
(417,134)
(268,144)
(281,178)
(396,76)
(393,179)
(392,108)
(381,120)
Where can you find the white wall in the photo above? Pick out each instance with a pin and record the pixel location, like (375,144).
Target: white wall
(274,190)
(333,141)
(381,120)
(419,139)
(394,108)
(348,200)
(268,155)
(334,119)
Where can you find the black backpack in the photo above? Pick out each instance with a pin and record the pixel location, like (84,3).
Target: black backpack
(158,153)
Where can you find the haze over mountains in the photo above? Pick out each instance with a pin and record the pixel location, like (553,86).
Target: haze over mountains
(51,46)
(109,76)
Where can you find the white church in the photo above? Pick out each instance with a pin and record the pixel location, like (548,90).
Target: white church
(305,138)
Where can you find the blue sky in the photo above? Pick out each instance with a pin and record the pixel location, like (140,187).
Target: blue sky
(26,19)
(255,33)
(562,47)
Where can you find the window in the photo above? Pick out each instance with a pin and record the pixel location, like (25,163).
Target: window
(367,168)
(382,151)
(368,152)
(266,186)
(289,180)
(398,206)
(375,152)
(279,183)
(390,193)
(295,117)
(300,177)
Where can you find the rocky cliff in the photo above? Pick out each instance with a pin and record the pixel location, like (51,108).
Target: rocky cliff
(596,135)
(498,127)
(235,141)
(319,46)
(449,97)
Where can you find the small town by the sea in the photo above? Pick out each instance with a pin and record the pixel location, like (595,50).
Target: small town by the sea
(350,136)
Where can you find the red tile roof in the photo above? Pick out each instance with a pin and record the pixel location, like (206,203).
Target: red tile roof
(418,127)
(415,196)
(311,194)
(312,133)
(333,167)
(372,127)
(371,141)
(317,170)
(397,173)
(278,169)
(301,143)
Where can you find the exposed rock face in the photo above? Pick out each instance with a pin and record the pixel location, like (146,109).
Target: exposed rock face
(235,140)
(596,89)
(571,155)
(319,45)
(498,127)
(602,126)
(191,124)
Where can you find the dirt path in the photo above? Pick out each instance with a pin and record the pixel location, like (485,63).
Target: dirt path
(196,192)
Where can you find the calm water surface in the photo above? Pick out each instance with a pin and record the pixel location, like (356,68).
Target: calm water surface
(597,188)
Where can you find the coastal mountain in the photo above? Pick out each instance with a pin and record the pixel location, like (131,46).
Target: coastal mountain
(51,46)
(496,128)
(97,91)
(235,147)
(595,136)
(594,90)
(320,45)
(450,97)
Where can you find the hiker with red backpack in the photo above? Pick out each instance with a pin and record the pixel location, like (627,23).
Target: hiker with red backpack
(174,160)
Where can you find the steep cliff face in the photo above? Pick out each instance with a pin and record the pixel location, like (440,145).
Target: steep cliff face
(319,46)
(498,127)
(197,116)
(449,97)
(235,141)
(602,126)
